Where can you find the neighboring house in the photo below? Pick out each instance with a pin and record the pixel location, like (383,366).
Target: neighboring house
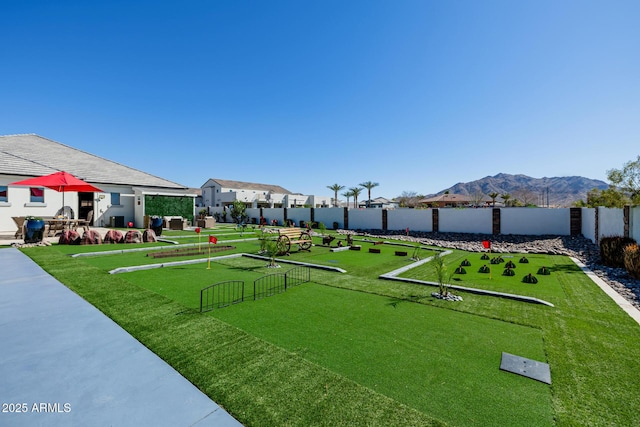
(379,203)
(128,194)
(220,193)
(447,200)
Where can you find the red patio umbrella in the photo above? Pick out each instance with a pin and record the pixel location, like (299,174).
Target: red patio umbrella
(60,182)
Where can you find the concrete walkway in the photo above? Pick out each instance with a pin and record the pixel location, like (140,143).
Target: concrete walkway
(63,362)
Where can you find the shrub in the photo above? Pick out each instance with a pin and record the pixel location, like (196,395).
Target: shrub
(612,250)
(632,260)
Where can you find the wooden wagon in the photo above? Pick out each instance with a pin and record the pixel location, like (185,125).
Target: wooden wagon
(292,236)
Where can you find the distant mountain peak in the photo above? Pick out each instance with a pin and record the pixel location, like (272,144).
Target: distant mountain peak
(554,191)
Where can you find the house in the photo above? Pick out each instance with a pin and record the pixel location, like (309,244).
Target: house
(379,203)
(127,194)
(221,193)
(447,200)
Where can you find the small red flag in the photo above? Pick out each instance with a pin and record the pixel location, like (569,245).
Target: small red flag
(486,244)
(198,230)
(213,239)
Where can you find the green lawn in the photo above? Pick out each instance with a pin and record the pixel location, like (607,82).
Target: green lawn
(351,349)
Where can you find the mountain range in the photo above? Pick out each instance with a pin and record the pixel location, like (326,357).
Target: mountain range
(554,192)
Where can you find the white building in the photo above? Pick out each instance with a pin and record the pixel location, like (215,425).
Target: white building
(127,194)
(219,193)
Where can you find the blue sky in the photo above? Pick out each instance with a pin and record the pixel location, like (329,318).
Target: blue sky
(414,95)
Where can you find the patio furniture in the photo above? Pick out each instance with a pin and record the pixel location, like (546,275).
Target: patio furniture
(19,220)
(177,223)
(86,223)
(59,225)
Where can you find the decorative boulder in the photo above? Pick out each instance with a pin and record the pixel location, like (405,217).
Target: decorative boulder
(91,237)
(69,237)
(133,236)
(149,236)
(114,236)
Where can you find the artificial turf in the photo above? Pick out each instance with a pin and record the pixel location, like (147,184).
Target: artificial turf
(272,369)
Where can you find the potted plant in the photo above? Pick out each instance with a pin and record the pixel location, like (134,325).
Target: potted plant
(34,229)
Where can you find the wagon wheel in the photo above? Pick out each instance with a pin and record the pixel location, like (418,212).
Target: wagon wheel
(305,242)
(284,245)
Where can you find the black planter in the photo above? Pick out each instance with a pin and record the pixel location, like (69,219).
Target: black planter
(156,225)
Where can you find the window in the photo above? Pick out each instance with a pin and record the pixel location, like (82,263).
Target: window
(37,194)
(115,198)
(3,193)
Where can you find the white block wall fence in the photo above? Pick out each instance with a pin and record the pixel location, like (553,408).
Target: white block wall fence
(592,223)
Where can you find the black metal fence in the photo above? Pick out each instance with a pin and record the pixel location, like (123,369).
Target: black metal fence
(277,283)
(223,294)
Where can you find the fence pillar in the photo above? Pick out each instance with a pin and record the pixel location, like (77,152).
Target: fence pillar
(575,216)
(312,215)
(346,217)
(384,220)
(495,229)
(597,225)
(626,214)
(435,220)
(284,213)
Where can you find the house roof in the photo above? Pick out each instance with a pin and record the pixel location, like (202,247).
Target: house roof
(377,200)
(33,155)
(241,185)
(453,198)
(447,198)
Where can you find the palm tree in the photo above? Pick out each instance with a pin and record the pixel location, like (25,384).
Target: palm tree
(355,192)
(505,197)
(347,194)
(494,196)
(335,188)
(369,185)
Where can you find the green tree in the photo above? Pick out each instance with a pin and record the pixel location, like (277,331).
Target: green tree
(335,188)
(493,196)
(238,211)
(627,179)
(505,197)
(609,198)
(348,194)
(369,185)
(355,192)
(442,275)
